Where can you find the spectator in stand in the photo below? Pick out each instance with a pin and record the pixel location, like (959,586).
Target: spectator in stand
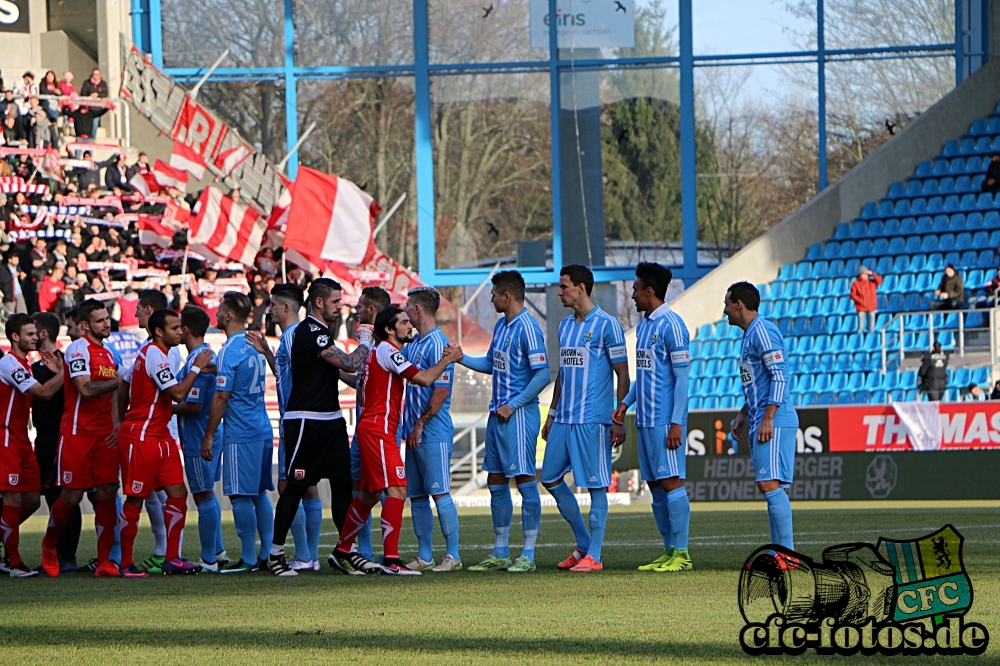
(116,175)
(43,133)
(141,166)
(90,176)
(973,393)
(12,132)
(932,378)
(49,87)
(995,395)
(8,102)
(261,301)
(10,284)
(95,87)
(991,287)
(25,89)
(864,293)
(5,239)
(992,181)
(75,247)
(951,292)
(50,290)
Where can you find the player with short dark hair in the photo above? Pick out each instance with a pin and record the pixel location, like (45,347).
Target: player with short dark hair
(150,457)
(382,469)
(520,370)
(87,456)
(20,481)
(772,421)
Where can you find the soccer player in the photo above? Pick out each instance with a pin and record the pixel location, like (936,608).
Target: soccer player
(20,482)
(150,456)
(578,428)
(382,469)
(248,441)
(286,301)
(87,456)
(662,365)
(314,425)
(768,411)
(520,370)
(192,419)
(428,432)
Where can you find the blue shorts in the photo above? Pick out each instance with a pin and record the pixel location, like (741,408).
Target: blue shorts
(511,444)
(246,467)
(584,448)
(428,469)
(775,461)
(202,474)
(656,461)
(355,459)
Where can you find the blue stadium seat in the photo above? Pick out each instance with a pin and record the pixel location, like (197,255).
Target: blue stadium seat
(891,227)
(807,400)
(864,248)
(918,207)
(856,381)
(985,201)
(891,282)
(885,209)
(993,126)
(817,325)
(960,377)
(859,229)
(880,247)
(721,329)
(974,221)
(968,203)
(897,190)
(711,402)
(950,149)
(896,246)
(936,204)
(708,351)
(837,267)
(914,188)
(978,128)
(843,363)
(815,251)
(991,220)
(913,302)
(977,182)
(821,269)
(838,382)
(924,169)
(925,224)
(873,381)
(807,288)
(901,264)
(843,231)
(930,188)
(940,224)
(967,147)
(785,326)
(987,259)
(941,166)
(879,397)
(900,208)
(980,241)
(981,375)
(956,166)
(845,398)
(914,244)
(895,302)
(974,165)
(983,145)
(935,262)
(957,222)
(976,320)
(946,242)
(803,270)
(951,257)
(827,398)
(908,226)
(869,211)
(876,228)
(832,250)
(821,343)
(787,272)
(929,244)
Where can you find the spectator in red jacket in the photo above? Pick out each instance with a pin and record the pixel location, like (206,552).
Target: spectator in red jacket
(51,290)
(865,297)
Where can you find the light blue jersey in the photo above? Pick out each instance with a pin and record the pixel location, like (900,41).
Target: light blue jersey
(243,372)
(517,350)
(283,367)
(587,350)
(662,364)
(191,427)
(763,374)
(425,352)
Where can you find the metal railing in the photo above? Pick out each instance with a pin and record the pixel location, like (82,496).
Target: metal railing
(472,457)
(120,110)
(899,321)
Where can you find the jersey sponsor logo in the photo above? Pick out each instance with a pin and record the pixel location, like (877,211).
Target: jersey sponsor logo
(222,382)
(136,486)
(499,360)
(78,365)
(13,479)
(400,472)
(746,374)
(67,477)
(445,376)
(322,341)
(164,375)
(314,328)
(195,393)
(106,371)
(20,376)
(398,358)
(770,358)
(644,359)
(299,474)
(618,353)
(534,359)
(573,357)
(680,357)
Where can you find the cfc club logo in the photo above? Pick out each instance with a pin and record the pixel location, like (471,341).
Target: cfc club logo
(137,486)
(299,474)
(12,478)
(400,472)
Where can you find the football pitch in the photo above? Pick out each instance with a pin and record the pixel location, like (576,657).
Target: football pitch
(619,616)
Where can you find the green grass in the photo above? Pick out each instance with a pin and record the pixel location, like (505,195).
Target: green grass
(620,616)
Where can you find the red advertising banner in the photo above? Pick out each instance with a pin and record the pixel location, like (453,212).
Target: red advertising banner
(196,127)
(964,426)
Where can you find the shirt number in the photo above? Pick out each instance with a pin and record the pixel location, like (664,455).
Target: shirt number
(259,364)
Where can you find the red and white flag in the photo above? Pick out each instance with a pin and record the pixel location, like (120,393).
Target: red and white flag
(228,160)
(184,157)
(168,176)
(226,228)
(275,236)
(154,232)
(145,183)
(330,219)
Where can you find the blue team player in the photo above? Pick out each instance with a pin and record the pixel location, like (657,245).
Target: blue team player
(248,441)
(768,410)
(578,429)
(192,419)
(660,392)
(429,433)
(517,361)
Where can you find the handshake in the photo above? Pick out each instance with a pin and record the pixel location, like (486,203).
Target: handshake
(452,354)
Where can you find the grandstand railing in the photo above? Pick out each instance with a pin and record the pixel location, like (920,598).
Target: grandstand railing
(117,106)
(897,326)
(472,457)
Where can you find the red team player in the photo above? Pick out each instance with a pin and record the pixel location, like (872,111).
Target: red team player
(150,457)
(19,479)
(381,395)
(86,456)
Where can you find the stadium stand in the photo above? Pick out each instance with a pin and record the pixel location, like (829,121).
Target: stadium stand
(939,216)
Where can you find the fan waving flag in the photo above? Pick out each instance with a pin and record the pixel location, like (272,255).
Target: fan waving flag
(153,232)
(330,218)
(185,157)
(226,228)
(168,176)
(145,183)
(228,160)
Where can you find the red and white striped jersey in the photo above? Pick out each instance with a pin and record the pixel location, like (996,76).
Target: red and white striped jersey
(382,386)
(81,415)
(148,414)
(15,381)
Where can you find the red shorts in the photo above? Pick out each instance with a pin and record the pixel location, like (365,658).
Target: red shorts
(148,465)
(381,464)
(19,468)
(85,461)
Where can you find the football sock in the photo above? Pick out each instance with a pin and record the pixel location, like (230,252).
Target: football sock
(58,517)
(69,535)
(175,513)
(570,510)
(208,528)
(598,521)
(154,509)
(105,519)
(246,527)
(129,521)
(219,545)
(392,523)
(24,514)
(448,517)
(313,508)
(423,527)
(289,504)
(358,514)
(679,509)
(502,508)
(265,523)
(531,516)
(779,513)
(299,533)
(116,547)
(662,515)
(364,537)
(10,529)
